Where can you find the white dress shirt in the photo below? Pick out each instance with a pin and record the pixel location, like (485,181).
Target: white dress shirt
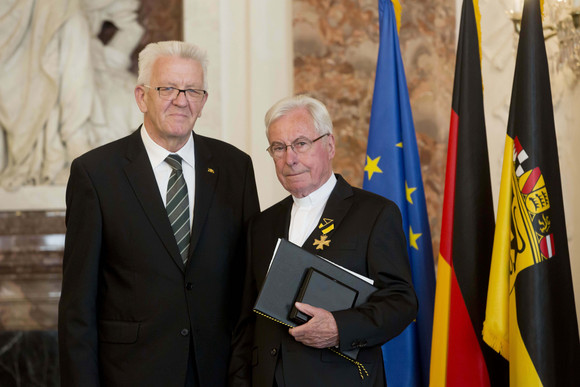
(157,155)
(306,212)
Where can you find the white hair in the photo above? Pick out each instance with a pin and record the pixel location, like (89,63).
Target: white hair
(316,109)
(154,51)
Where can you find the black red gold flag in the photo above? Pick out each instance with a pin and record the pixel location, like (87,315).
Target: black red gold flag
(459,357)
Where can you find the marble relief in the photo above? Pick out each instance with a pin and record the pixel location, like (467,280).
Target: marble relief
(63,91)
(69,88)
(335,52)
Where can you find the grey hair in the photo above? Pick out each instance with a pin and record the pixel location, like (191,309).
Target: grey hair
(316,109)
(154,51)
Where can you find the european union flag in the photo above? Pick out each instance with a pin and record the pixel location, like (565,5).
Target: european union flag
(394,171)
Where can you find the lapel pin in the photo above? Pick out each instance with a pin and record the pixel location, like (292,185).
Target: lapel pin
(210,170)
(326,226)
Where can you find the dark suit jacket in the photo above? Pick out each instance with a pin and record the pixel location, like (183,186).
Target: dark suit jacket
(129,308)
(368,239)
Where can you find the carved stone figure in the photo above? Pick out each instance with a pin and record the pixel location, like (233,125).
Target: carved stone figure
(62,91)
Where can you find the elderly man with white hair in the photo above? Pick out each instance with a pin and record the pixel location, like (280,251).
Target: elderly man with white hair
(356,229)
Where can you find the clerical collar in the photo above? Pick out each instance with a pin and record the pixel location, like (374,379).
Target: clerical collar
(320,195)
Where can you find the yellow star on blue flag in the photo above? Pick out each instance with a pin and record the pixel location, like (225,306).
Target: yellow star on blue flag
(413,238)
(408,192)
(372,166)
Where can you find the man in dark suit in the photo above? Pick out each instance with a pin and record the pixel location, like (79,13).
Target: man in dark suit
(155,241)
(353,228)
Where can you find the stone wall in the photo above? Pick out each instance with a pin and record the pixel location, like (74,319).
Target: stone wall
(31,245)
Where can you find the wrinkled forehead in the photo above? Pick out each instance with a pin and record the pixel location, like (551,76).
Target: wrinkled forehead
(175,70)
(291,126)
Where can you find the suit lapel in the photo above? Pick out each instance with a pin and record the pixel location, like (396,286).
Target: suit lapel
(337,206)
(275,226)
(282,225)
(206,175)
(141,177)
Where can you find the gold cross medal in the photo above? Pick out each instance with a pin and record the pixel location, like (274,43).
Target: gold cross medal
(320,243)
(326,226)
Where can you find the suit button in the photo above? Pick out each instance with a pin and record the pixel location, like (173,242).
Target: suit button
(273,352)
(189,286)
(184,332)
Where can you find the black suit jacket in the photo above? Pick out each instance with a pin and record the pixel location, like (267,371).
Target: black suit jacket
(368,239)
(129,308)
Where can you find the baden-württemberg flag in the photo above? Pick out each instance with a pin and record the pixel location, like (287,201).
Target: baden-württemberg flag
(393,170)
(459,357)
(530,316)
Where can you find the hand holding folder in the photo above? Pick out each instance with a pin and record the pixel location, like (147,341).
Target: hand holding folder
(330,286)
(320,332)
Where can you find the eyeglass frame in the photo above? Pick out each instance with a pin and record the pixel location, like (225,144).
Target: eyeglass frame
(291,145)
(179,91)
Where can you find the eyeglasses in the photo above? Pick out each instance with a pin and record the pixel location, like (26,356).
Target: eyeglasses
(300,145)
(171,93)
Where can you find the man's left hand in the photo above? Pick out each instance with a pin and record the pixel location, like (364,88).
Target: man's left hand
(320,331)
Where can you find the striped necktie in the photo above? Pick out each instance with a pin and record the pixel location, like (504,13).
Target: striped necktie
(177,205)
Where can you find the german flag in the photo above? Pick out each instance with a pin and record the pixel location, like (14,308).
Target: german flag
(459,357)
(530,316)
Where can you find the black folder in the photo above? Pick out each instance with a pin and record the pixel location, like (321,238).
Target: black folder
(322,291)
(288,269)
